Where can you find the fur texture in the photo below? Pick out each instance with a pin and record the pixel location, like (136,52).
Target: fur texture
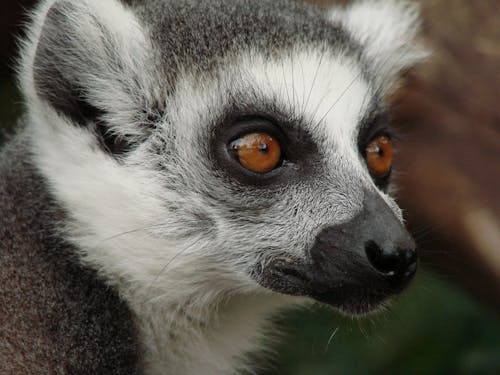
(124,100)
(56,317)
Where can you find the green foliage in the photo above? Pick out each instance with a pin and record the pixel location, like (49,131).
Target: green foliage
(434,328)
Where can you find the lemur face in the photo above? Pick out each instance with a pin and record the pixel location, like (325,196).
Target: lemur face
(240,146)
(297,179)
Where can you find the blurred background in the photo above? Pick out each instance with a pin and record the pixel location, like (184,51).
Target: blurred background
(448,117)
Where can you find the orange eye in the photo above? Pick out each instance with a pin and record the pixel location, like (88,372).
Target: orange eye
(379,156)
(257,152)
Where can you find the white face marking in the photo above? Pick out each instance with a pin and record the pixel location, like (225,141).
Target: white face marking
(327,90)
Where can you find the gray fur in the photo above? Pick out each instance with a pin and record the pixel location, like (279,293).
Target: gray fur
(184,30)
(56,317)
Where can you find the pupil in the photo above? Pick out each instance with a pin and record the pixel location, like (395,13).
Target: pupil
(235,145)
(263,148)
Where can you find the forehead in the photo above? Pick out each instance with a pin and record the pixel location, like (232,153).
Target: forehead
(309,88)
(193,34)
(285,53)
(327,92)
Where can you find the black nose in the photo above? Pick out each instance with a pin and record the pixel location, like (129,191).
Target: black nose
(397,263)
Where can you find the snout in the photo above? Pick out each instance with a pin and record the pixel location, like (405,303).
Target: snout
(354,266)
(359,264)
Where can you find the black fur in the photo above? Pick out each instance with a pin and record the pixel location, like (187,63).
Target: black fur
(56,80)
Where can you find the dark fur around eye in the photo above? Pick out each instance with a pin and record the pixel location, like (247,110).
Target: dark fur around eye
(299,152)
(374,125)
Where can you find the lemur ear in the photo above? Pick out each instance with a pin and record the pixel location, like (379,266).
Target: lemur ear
(89,63)
(387,30)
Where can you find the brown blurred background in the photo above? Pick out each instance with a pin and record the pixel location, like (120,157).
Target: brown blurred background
(448,115)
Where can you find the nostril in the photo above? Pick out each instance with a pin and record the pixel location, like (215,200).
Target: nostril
(383,262)
(398,262)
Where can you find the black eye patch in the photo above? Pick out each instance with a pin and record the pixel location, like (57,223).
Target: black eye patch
(373,126)
(299,152)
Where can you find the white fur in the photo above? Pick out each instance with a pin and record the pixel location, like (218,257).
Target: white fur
(108,86)
(386,29)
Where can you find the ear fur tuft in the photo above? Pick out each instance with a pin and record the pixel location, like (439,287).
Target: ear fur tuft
(88,59)
(387,30)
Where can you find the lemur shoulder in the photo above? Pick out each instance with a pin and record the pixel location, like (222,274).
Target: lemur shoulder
(187,169)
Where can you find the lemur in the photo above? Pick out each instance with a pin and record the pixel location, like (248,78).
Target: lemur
(188,169)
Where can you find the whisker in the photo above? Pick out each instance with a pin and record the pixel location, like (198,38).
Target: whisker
(285,84)
(340,97)
(177,255)
(314,80)
(330,340)
(302,111)
(142,229)
(292,60)
(323,97)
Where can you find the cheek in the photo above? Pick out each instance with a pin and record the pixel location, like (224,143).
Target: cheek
(270,231)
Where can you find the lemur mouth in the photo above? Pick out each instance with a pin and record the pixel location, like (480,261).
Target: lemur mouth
(350,292)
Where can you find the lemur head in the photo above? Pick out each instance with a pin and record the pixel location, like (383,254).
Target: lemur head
(224,146)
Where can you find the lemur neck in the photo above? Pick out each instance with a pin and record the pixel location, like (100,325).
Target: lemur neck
(210,338)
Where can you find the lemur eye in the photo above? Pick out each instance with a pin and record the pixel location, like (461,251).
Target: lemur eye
(257,152)
(379,156)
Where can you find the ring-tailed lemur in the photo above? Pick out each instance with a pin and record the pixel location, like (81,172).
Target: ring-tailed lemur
(189,168)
